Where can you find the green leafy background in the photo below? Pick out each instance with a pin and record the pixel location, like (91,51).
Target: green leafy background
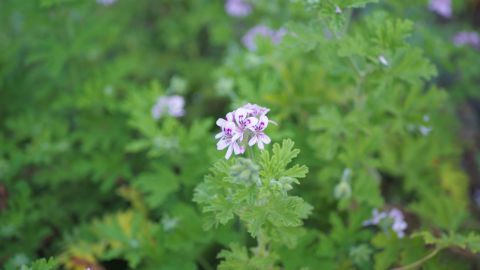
(88,179)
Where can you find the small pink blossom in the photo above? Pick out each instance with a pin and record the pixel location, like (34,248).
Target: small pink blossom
(106,2)
(237,8)
(258,136)
(228,138)
(376,218)
(249,39)
(255,109)
(393,218)
(467,38)
(338,10)
(441,7)
(171,105)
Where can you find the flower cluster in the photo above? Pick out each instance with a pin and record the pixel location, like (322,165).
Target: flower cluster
(393,218)
(172,105)
(261,30)
(245,125)
(441,7)
(467,38)
(237,8)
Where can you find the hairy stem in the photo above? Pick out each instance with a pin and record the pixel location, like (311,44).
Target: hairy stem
(262,248)
(419,262)
(251,152)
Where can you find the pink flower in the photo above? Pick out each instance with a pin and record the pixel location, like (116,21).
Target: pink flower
(228,138)
(467,38)
(244,125)
(441,7)
(249,39)
(106,2)
(172,105)
(338,10)
(258,136)
(237,8)
(399,225)
(255,109)
(377,217)
(393,219)
(243,119)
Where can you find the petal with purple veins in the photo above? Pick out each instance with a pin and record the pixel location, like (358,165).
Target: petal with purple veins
(265,139)
(253,141)
(222,144)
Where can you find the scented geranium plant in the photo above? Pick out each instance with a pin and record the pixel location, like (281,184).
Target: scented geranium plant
(253,190)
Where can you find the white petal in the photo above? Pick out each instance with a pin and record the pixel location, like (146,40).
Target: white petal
(236,149)
(260,144)
(240,115)
(230,117)
(219,135)
(230,125)
(265,139)
(222,144)
(237,136)
(229,152)
(252,121)
(264,120)
(253,141)
(221,122)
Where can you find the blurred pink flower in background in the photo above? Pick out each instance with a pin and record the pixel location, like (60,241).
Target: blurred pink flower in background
(171,105)
(264,31)
(393,218)
(106,2)
(467,38)
(441,7)
(237,8)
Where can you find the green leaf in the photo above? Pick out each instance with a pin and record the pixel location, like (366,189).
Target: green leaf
(42,264)
(276,166)
(237,258)
(469,242)
(157,185)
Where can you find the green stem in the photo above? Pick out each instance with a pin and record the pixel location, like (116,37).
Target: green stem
(250,151)
(262,248)
(419,262)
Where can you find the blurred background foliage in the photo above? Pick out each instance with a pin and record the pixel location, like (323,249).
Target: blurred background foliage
(88,177)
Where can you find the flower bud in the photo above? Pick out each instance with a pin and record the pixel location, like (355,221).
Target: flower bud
(245,171)
(342,190)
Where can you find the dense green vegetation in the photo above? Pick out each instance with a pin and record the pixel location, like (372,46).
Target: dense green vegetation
(109,111)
